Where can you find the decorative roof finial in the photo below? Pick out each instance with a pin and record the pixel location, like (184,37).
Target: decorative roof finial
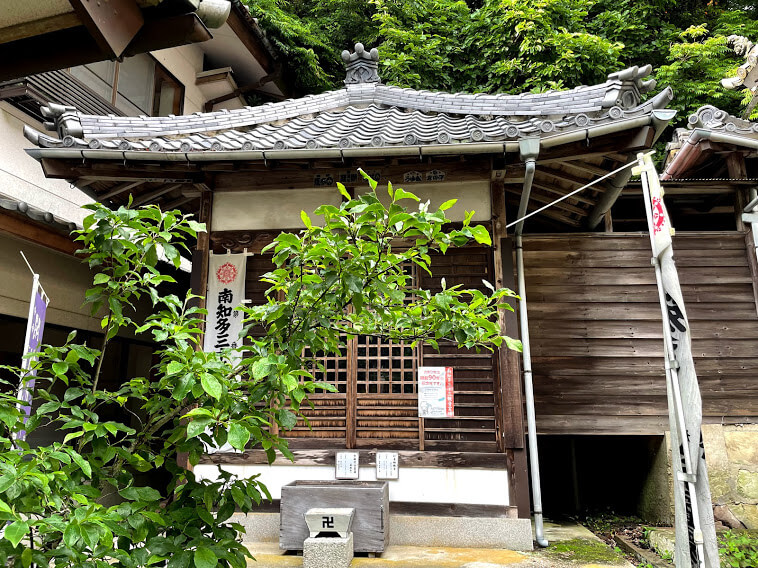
(746,75)
(362,66)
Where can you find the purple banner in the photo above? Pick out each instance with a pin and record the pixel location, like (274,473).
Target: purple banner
(34,329)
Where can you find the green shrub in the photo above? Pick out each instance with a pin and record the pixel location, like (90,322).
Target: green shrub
(738,550)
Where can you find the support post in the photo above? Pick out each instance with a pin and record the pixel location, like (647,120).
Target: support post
(509,402)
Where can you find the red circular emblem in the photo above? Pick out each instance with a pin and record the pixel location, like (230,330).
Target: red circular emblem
(226,273)
(659,217)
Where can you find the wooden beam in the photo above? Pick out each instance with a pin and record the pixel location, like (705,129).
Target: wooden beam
(114,171)
(608,221)
(563,176)
(546,199)
(113,24)
(250,41)
(168,32)
(29,230)
(407,458)
(293,177)
(151,196)
(119,189)
(39,27)
(55,50)
(578,197)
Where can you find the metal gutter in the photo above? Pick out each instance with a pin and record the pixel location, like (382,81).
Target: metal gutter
(686,155)
(691,150)
(529,149)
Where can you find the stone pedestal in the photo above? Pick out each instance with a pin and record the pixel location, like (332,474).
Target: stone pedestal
(328,552)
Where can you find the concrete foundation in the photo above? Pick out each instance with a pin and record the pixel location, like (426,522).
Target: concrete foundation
(328,552)
(656,504)
(420,530)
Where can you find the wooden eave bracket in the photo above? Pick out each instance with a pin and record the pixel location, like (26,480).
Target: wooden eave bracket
(113,24)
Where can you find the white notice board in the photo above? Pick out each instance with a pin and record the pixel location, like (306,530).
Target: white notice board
(387,465)
(435,392)
(346,465)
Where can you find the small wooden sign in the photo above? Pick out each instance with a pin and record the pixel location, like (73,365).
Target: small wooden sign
(346,465)
(387,465)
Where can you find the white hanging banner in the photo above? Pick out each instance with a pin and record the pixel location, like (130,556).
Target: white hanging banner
(695,529)
(435,392)
(226,291)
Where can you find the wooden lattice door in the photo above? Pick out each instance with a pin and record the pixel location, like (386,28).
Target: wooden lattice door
(375,405)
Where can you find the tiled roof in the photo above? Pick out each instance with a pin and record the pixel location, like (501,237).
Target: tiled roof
(717,120)
(35,213)
(365,113)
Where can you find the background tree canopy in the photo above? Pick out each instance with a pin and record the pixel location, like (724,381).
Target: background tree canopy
(512,46)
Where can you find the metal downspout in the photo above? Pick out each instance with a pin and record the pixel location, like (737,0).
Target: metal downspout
(529,149)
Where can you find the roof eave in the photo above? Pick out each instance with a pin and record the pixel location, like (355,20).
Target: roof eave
(330,153)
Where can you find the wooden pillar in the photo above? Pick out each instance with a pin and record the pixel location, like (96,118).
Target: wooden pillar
(509,404)
(199,279)
(201,254)
(735,163)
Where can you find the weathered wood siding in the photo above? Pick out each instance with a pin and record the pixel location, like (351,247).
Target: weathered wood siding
(595,325)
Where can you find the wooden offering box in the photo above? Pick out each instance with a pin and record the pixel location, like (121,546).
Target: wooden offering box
(370,499)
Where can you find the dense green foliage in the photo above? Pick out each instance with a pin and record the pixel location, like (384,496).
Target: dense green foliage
(512,46)
(109,492)
(738,549)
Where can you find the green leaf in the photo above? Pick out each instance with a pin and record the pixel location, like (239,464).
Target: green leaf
(402,194)
(101,278)
(140,494)
(205,558)
(197,426)
(238,436)
(26,558)
(448,204)
(82,463)
(481,235)
(287,419)
(306,220)
(15,531)
(71,535)
(60,368)
(343,191)
(174,368)
(211,385)
(260,368)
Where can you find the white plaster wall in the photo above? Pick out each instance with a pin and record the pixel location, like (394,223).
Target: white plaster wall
(184,63)
(15,13)
(63,277)
(471,196)
(21,176)
(414,485)
(280,208)
(269,209)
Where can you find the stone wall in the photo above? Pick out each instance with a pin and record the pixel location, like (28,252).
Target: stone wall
(731,453)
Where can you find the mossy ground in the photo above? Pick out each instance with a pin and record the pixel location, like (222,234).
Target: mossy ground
(584,550)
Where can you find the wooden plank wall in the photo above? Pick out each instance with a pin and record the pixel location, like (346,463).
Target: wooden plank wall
(595,324)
